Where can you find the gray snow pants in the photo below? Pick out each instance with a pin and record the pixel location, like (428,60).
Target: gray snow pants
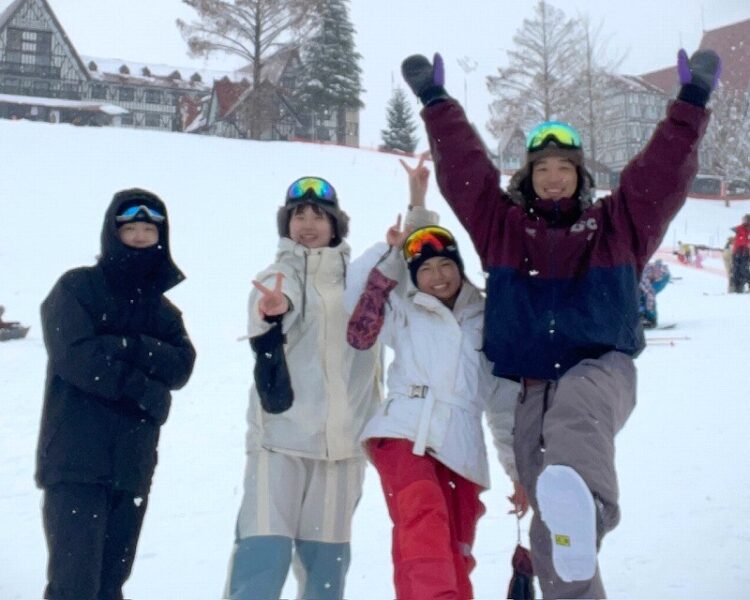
(573,421)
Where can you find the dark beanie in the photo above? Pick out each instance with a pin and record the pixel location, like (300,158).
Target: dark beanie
(429,251)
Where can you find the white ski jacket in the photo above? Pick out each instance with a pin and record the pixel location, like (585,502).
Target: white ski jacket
(336,388)
(439,382)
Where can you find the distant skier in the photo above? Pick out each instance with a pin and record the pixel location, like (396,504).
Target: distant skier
(741,256)
(562,303)
(116,348)
(655,278)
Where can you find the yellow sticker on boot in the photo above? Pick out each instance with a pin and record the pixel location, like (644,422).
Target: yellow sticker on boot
(562,540)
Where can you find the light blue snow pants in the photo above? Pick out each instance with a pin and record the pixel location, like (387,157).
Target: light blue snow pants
(260,565)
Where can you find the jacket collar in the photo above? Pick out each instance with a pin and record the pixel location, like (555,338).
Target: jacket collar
(469,302)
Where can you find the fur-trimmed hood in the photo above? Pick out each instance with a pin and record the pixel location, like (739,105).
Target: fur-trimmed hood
(521,191)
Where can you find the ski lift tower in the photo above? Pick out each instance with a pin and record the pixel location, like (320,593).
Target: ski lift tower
(468,65)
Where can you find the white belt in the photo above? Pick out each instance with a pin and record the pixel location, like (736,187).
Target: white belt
(423,427)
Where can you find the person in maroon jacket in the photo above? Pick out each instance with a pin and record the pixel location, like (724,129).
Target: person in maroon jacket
(562,298)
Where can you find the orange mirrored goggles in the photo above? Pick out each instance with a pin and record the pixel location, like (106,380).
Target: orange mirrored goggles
(438,237)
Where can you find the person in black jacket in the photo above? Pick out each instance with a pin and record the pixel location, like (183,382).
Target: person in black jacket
(116,349)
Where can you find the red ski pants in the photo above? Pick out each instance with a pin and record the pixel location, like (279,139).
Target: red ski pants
(434,513)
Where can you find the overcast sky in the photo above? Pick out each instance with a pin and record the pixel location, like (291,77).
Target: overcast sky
(649,31)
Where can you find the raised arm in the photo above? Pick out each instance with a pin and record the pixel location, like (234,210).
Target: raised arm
(465,174)
(368,316)
(654,185)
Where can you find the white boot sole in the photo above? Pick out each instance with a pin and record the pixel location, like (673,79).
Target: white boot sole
(567,509)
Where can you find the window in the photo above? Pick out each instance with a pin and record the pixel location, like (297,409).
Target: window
(31,49)
(126,119)
(127,94)
(41,88)
(12,85)
(153,120)
(99,91)
(153,97)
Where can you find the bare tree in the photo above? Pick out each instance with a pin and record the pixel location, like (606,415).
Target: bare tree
(533,87)
(250,29)
(585,97)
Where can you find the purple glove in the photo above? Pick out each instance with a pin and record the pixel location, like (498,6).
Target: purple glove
(699,75)
(425,79)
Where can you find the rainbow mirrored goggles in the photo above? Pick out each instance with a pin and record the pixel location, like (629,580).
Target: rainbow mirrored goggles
(562,134)
(131,213)
(439,238)
(313,189)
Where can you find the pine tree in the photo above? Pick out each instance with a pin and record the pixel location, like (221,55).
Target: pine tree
(331,81)
(401,126)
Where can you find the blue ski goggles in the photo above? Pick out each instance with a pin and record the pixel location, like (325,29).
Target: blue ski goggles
(141,211)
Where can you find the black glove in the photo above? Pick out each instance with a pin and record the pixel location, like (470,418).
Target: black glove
(425,79)
(272,381)
(156,401)
(699,75)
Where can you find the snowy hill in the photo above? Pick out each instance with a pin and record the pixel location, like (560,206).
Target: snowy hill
(683,466)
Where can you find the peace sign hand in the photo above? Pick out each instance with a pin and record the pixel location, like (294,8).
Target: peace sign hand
(418,180)
(273,302)
(394,236)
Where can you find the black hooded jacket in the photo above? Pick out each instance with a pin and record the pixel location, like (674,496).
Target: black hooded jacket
(116,347)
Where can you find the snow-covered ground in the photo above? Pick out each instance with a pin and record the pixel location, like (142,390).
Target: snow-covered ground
(682,457)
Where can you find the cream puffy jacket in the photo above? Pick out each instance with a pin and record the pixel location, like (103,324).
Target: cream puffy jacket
(336,388)
(438,355)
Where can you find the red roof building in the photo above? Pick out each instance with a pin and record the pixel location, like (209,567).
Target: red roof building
(732,44)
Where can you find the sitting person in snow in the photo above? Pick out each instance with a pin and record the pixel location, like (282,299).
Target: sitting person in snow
(10,330)
(7,324)
(655,278)
(426,440)
(562,302)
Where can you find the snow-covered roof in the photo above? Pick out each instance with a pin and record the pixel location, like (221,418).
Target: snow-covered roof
(108,69)
(87,105)
(637,84)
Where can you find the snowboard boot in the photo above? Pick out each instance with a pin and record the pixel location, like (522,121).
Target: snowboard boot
(567,508)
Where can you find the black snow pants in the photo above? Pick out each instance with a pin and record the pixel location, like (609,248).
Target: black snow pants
(92,532)
(741,269)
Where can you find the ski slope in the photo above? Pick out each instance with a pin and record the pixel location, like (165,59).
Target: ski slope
(682,457)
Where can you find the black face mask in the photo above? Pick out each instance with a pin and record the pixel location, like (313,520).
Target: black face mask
(130,268)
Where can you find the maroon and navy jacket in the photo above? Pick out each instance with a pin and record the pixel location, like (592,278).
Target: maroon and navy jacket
(563,282)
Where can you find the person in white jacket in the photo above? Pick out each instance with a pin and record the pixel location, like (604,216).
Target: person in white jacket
(426,440)
(305,465)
